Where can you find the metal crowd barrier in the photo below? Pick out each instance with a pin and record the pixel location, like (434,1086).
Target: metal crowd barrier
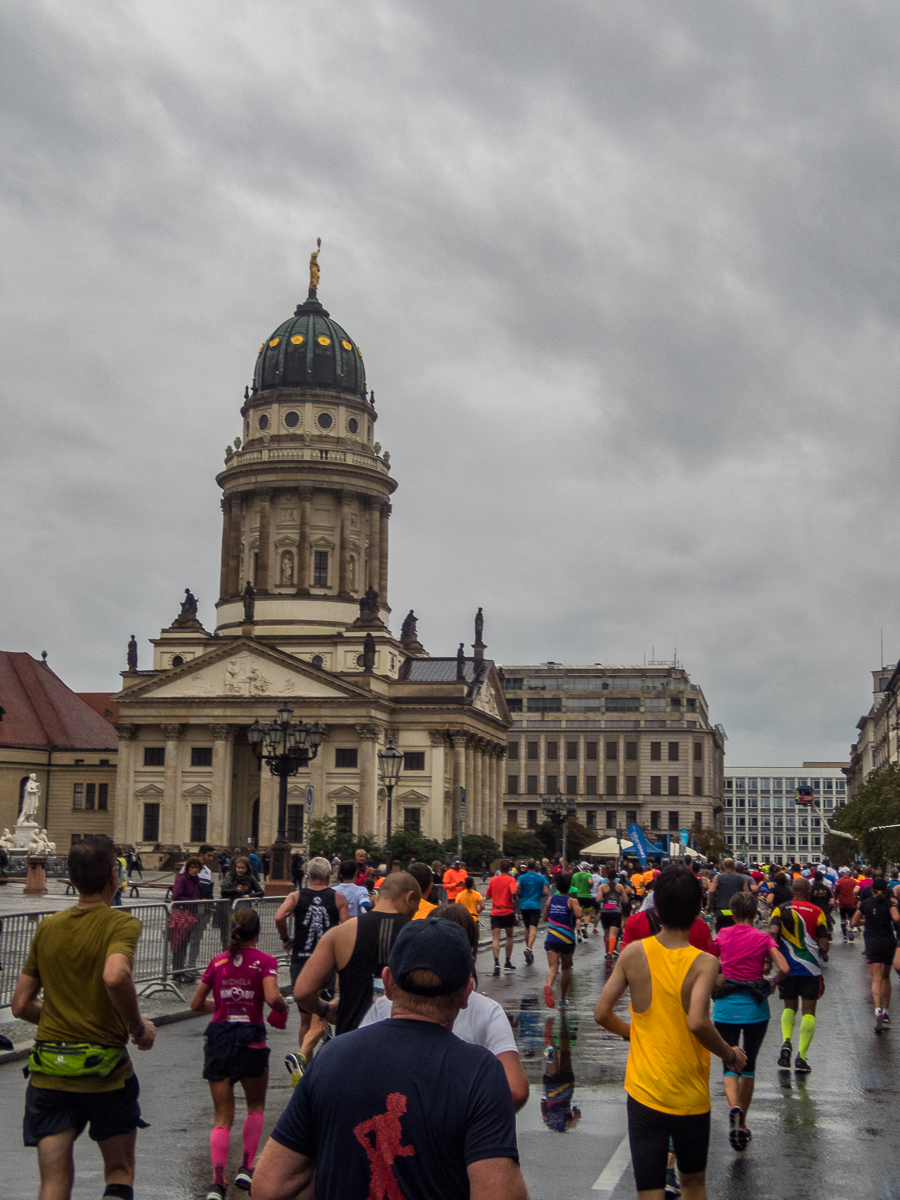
(156,965)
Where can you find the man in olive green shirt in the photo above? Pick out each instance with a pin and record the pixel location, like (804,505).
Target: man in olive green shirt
(82,959)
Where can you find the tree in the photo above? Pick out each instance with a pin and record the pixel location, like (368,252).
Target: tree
(475,847)
(876,803)
(327,837)
(709,842)
(521,843)
(407,842)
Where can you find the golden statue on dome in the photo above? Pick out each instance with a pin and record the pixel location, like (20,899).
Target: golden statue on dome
(314,266)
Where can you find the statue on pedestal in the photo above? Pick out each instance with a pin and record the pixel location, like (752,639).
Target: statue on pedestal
(249,598)
(132,654)
(30,801)
(7,841)
(368,653)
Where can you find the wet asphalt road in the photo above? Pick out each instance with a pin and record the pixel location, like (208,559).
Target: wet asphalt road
(831,1134)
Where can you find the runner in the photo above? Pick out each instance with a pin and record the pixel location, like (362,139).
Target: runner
(533,890)
(563,912)
(597,877)
(354,893)
(823,897)
(801,931)
(501,892)
(581,890)
(722,888)
(846,898)
(454,879)
(881,915)
(235,1048)
(611,895)
(741,1004)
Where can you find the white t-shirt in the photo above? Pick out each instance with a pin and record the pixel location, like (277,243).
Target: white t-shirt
(357,897)
(481,1023)
(596,880)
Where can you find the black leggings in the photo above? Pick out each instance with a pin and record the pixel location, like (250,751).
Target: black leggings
(648,1136)
(754,1035)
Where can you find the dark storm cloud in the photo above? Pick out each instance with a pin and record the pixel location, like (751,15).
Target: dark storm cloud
(626,281)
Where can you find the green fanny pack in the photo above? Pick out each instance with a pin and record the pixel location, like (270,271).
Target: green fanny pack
(74,1058)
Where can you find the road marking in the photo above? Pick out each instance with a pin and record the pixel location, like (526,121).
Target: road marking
(608,1179)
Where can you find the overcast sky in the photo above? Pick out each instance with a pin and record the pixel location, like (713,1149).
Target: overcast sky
(625,275)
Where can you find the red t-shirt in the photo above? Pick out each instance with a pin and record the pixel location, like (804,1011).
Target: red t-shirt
(237,985)
(846,888)
(638,927)
(500,892)
(812,915)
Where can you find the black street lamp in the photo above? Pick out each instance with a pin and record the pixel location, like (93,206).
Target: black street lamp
(285,748)
(619,840)
(390,760)
(558,809)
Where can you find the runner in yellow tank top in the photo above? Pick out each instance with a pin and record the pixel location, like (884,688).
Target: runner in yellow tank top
(671,1036)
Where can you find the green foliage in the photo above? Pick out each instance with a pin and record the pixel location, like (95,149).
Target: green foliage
(709,842)
(407,841)
(328,838)
(521,843)
(876,803)
(578,836)
(475,847)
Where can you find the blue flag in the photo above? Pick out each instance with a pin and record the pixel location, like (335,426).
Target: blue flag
(639,842)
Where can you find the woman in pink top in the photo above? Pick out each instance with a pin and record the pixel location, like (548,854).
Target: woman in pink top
(741,1003)
(240,980)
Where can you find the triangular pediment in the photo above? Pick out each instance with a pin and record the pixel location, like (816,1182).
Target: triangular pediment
(412,797)
(149,793)
(197,793)
(489,698)
(343,793)
(244,669)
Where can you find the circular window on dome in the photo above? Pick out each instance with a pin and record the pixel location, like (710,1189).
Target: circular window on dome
(177,660)
(292,419)
(346,344)
(297,339)
(263,422)
(360,661)
(324,420)
(317,660)
(274,341)
(324,341)
(353,425)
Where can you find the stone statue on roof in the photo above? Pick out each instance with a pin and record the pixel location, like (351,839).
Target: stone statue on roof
(249,598)
(368,605)
(132,654)
(369,653)
(408,628)
(314,266)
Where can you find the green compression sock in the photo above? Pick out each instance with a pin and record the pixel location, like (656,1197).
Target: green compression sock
(807,1029)
(787,1023)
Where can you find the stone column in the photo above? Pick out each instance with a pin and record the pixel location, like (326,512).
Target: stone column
(344,561)
(499,769)
(318,770)
(304,575)
(219,830)
(125,822)
(264,495)
(470,781)
(268,807)
(383,556)
(374,556)
(435,828)
(225,503)
(368,779)
(169,823)
(235,584)
(459,777)
(476,806)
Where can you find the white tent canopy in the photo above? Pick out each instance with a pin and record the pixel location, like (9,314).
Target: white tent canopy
(608,846)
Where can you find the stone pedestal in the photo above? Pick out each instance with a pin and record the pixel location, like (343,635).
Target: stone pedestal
(279,882)
(36,879)
(22,834)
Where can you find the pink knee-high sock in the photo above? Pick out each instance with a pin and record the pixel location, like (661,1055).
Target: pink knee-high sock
(218,1152)
(252,1132)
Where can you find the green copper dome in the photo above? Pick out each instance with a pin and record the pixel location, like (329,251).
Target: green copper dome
(310,351)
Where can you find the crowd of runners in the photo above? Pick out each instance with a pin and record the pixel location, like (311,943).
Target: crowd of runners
(383,971)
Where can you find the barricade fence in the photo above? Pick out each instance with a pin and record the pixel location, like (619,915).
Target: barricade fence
(172,949)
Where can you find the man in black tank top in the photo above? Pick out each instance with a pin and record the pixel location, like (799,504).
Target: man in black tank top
(316,909)
(358,951)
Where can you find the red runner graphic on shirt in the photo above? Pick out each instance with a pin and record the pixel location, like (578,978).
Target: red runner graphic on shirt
(380,1138)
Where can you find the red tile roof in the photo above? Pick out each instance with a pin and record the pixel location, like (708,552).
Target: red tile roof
(102,703)
(40,711)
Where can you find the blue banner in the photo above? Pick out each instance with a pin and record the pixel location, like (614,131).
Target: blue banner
(685,837)
(639,843)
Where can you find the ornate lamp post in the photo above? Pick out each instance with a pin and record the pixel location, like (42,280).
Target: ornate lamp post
(390,760)
(558,809)
(285,748)
(619,840)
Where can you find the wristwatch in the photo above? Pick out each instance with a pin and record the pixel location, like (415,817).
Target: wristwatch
(143,1029)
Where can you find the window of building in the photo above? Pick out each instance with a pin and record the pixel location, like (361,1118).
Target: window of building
(79,762)
(320,568)
(656,785)
(413,818)
(512,785)
(345,757)
(344,817)
(531,818)
(103,797)
(295,822)
(90,795)
(656,751)
(151,823)
(198,822)
(654,820)
(612,785)
(532,752)
(78,796)
(552,751)
(698,785)
(612,751)
(673,752)
(673,785)
(590,751)
(590,785)
(414,760)
(580,705)
(513,685)
(512,816)
(514,704)
(674,702)
(590,818)
(611,816)
(201,756)
(674,821)
(512,751)
(531,786)
(551,783)
(654,703)
(572,785)
(631,751)
(104,762)
(154,756)
(698,752)
(630,816)
(571,751)
(698,819)
(544,704)
(623,704)
(691,704)
(631,785)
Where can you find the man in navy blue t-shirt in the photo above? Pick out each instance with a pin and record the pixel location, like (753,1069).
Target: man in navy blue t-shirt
(386,1131)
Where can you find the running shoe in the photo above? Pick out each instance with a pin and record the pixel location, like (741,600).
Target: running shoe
(529,958)
(801,1066)
(296,1065)
(736,1134)
(244,1178)
(548,996)
(879,1020)
(216,1192)
(886,1017)
(596,931)
(747,1134)
(496,968)
(508,966)
(784,1058)
(673,1187)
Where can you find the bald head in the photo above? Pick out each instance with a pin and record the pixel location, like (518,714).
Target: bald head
(401,892)
(727,864)
(800,888)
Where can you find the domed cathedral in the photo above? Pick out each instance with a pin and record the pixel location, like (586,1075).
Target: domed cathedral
(302,620)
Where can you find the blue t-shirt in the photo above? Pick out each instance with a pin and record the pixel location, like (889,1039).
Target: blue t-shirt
(531,889)
(388,1129)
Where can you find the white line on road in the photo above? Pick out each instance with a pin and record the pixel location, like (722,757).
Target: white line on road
(608,1179)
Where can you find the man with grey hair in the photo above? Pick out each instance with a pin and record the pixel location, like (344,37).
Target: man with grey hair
(316,909)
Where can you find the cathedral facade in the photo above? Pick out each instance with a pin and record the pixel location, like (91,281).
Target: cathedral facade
(303,618)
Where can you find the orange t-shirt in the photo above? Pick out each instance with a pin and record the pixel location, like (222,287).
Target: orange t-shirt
(469,900)
(500,892)
(454,881)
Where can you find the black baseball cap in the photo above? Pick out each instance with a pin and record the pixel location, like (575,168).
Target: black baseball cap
(435,945)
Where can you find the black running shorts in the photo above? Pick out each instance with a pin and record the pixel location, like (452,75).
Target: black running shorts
(801,987)
(610,918)
(48,1111)
(507,921)
(229,1055)
(531,916)
(648,1135)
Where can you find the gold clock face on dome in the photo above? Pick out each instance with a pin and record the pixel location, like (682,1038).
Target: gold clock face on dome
(274,341)
(297,339)
(324,341)
(346,345)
